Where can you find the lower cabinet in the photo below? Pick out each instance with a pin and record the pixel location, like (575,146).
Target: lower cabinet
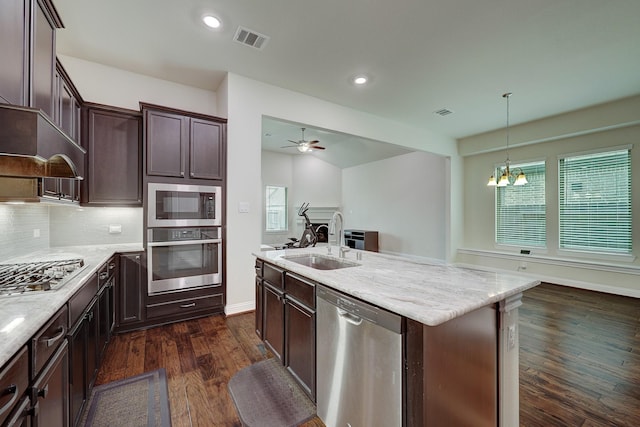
(50,391)
(77,370)
(300,333)
(130,291)
(286,321)
(273,321)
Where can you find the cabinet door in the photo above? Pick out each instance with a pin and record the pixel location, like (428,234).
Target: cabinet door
(77,370)
(129,290)
(273,326)
(14,52)
(114,145)
(93,339)
(167,137)
(51,391)
(43,61)
(300,339)
(104,322)
(259,298)
(205,157)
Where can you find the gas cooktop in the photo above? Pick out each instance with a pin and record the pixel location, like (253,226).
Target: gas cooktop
(24,278)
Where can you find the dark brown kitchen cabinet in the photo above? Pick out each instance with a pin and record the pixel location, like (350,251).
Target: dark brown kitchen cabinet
(185,145)
(300,331)
(67,103)
(14,33)
(14,380)
(130,291)
(50,391)
(286,321)
(27,31)
(273,321)
(113,139)
(61,189)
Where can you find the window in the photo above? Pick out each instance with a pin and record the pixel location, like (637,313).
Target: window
(595,202)
(521,210)
(276,208)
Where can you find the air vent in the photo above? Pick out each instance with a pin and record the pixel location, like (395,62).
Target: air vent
(250,38)
(443,112)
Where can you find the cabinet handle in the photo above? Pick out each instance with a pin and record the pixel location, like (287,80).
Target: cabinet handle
(103,275)
(12,389)
(51,341)
(192,174)
(193,304)
(112,265)
(43,392)
(138,257)
(89,316)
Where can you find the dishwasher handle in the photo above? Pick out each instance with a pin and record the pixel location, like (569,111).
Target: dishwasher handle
(351,318)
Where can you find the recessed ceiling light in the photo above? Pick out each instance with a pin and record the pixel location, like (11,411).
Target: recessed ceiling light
(360,80)
(211,21)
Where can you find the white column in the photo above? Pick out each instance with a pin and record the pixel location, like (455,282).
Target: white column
(509,362)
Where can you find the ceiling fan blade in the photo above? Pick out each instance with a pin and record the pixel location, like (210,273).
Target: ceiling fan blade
(295,142)
(289,146)
(317,147)
(315,141)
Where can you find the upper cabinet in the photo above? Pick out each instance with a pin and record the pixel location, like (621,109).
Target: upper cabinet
(27,31)
(113,139)
(183,145)
(67,103)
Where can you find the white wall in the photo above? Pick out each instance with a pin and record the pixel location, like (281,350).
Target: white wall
(404,198)
(608,125)
(249,100)
(111,86)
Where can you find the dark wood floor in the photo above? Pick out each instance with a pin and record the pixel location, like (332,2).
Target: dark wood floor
(579,361)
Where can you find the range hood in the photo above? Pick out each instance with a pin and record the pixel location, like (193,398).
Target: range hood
(32,146)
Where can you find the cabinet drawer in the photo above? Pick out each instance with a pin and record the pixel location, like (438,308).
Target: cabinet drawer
(47,340)
(259,267)
(14,379)
(81,299)
(302,289)
(273,275)
(184,306)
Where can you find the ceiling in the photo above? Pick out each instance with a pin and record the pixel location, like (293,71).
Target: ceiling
(422,55)
(341,150)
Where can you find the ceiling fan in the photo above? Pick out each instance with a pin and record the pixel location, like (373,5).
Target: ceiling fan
(303,145)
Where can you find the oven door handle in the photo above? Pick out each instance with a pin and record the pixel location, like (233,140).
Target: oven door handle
(184,242)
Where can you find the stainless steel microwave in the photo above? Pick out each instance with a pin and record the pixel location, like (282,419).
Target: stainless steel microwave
(180,205)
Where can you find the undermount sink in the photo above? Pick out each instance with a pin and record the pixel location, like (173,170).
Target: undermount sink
(320,262)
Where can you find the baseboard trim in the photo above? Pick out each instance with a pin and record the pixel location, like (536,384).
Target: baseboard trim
(242,307)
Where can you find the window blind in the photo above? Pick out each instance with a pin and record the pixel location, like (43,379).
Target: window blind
(521,210)
(595,202)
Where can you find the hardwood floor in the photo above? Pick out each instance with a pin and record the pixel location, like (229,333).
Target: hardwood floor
(579,361)
(579,358)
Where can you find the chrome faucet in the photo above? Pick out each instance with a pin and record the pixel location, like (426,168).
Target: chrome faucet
(342,248)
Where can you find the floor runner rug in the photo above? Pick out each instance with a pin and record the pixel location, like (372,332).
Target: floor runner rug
(266,395)
(141,400)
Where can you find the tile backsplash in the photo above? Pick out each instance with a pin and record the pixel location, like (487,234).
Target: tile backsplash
(64,226)
(18,226)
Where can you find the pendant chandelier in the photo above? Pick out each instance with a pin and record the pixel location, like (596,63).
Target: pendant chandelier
(507,175)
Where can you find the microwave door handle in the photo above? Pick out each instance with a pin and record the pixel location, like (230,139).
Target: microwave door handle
(184,242)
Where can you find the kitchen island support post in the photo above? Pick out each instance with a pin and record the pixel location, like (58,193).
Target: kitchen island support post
(508,362)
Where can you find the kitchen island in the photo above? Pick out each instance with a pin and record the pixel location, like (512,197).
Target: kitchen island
(460,336)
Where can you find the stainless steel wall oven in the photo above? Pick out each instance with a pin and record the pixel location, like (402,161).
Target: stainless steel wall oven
(183,258)
(180,205)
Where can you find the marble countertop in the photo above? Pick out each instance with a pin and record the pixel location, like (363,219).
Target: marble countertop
(428,293)
(22,315)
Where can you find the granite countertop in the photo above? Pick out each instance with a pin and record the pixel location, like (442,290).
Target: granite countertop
(428,293)
(23,315)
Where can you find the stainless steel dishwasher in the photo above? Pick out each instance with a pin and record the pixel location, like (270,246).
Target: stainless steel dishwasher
(359,362)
